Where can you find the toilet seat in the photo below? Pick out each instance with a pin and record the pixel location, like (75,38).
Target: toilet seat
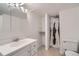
(71,53)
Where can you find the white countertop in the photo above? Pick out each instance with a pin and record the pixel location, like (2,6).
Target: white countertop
(13,46)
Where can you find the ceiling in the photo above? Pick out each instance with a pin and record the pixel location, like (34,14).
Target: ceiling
(50,8)
(39,8)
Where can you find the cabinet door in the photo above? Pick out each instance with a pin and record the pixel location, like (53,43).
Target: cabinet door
(25,51)
(34,49)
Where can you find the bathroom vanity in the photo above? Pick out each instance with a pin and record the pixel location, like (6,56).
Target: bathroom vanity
(24,47)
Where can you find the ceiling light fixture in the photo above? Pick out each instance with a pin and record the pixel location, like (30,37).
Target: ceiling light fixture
(18,6)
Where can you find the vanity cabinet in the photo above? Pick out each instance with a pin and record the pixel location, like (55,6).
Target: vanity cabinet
(24,47)
(29,50)
(25,51)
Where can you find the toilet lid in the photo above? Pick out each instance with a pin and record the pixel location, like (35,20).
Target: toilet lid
(71,53)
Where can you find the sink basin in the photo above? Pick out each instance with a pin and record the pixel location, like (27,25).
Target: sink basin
(19,43)
(15,44)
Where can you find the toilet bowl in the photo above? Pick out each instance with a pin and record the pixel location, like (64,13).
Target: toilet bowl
(71,53)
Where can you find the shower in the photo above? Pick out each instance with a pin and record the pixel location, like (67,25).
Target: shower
(54,31)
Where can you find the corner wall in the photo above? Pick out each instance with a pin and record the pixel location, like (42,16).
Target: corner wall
(47,31)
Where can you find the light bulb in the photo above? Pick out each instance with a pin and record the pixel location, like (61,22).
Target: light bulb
(22,9)
(26,10)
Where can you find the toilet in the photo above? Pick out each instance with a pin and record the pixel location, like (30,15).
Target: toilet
(70,48)
(71,53)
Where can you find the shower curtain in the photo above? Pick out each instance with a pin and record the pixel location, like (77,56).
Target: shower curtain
(54,32)
(54,36)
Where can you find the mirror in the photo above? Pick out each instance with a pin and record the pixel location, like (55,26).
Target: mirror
(11,19)
(4,19)
(13,23)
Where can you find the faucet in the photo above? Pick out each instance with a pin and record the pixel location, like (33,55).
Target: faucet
(16,40)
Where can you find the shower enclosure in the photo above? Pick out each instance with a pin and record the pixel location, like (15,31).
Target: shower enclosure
(54,31)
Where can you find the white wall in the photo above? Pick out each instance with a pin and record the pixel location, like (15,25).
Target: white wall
(46,29)
(43,23)
(47,34)
(43,30)
(34,26)
(22,28)
(69,25)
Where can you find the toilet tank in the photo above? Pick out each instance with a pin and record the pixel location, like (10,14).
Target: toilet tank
(71,45)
